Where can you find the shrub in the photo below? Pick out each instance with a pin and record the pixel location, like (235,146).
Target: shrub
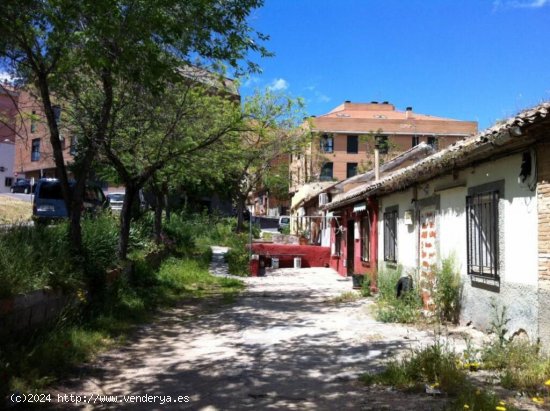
(34,257)
(448,290)
(405,309)
(238,255)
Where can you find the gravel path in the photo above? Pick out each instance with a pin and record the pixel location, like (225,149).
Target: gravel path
(284,344)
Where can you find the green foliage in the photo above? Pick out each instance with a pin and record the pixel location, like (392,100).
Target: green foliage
(392,309)
(365,287)
(238,255)
(34,257)
(432,365)
(448,290)
(436,367)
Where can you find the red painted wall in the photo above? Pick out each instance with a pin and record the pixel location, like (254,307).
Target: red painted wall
(359,266)
(311,255)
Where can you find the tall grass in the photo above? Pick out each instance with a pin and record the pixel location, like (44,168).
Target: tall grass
(391,309)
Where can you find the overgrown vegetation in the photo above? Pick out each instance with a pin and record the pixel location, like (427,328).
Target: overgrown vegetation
(390,308)
(447,292)
(437,370)
(102,313)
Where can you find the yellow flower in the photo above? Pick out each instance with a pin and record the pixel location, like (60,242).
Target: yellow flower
(500,408)
(478,392)
(547,383)
(538,400)
(502,403)
(466,407)
(435,385)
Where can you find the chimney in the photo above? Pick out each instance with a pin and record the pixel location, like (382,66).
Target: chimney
(408,112)
(374,102)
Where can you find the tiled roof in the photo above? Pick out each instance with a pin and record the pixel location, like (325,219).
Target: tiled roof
(460,154)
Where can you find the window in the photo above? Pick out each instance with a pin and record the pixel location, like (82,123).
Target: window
(35,151)
(432,141)
(326,172)
(415,141)
(390,234)
(351,170)
(327,143)
(33,122)
(365,238)
(482,229)
(353,144)
(57,114)
(8,181)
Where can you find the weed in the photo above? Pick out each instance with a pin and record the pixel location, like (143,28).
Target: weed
(447,291)
(346,297)
(405,309)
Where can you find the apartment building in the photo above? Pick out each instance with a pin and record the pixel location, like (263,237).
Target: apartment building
(343,140)
(33,149)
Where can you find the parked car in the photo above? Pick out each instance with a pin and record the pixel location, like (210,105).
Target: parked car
(48,203)
(284,222)
(22,186)
(116,200)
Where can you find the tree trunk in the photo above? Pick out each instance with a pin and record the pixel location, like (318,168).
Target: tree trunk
(159,198)
(166,202)
(125,219)
(240,211)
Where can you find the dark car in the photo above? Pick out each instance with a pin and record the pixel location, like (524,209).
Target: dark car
(22,186)
(49,205)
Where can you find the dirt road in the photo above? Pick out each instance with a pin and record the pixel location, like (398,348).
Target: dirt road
(284,344)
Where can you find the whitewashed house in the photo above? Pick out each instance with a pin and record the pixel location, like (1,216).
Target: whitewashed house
(486,201)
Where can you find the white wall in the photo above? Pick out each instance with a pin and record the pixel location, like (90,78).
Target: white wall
(7,155)
(518,244)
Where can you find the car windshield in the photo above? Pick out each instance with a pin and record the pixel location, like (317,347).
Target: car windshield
(285,220)
(116,197)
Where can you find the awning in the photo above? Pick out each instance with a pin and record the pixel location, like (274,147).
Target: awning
(360,207)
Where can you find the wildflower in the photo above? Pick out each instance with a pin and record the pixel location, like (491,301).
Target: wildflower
(547,383)
(466,407)
(435,385)
(500,408)
(538,400)
(478,392)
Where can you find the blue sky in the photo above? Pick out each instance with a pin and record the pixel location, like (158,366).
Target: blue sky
(480,60)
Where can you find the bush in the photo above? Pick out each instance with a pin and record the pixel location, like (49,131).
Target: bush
(391,309)
(238,255)
(448,291)
(35,257)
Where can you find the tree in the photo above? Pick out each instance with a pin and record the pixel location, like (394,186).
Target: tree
(63,47)
(269,131)
(154,133)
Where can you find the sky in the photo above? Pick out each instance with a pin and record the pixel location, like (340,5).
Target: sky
(480,60)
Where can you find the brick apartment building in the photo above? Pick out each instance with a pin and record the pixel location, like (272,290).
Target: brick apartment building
(33,150)
(343,140)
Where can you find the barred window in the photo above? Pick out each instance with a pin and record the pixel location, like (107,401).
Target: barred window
(327,143)
(482,233)
(390,234)
(365,238)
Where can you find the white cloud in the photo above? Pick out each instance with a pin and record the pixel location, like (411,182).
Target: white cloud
(278,84)
(520,4)
(251,81)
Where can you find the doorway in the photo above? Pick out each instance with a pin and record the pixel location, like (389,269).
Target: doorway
(350,247)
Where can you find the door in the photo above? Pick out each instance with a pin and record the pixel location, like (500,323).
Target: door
(350,247)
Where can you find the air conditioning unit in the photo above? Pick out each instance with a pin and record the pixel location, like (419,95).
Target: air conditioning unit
(323,199)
